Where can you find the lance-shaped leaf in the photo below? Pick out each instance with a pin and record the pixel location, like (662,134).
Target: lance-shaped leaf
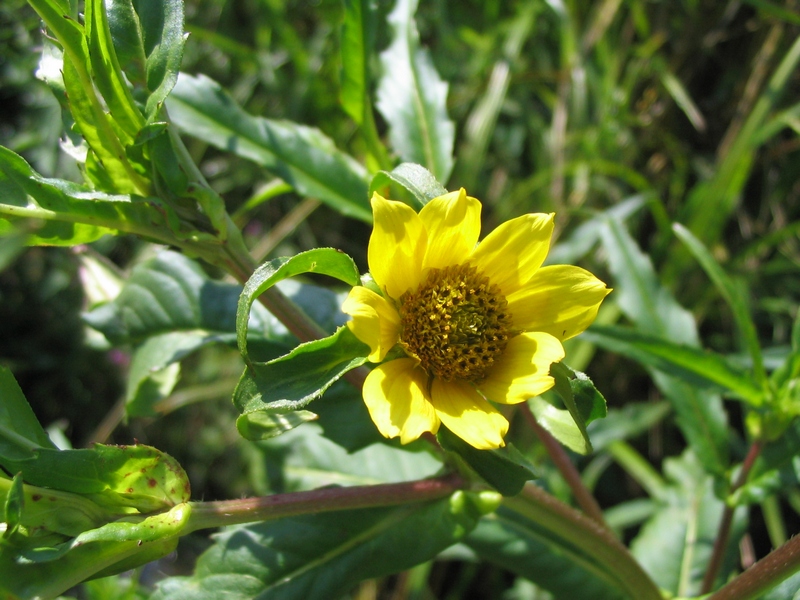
(655,311)
(302,156)
(268,390)
(693,365)
(319,557)
(413,98)
(732,295)
(75,214)
(358,39)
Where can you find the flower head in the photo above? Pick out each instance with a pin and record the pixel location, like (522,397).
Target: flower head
(476,322)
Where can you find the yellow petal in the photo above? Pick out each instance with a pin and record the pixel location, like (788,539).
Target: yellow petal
(375,321)
(523,370)
(511,254)
(464,412)
(394,393)
(453,223)
(396,247)
(561,300)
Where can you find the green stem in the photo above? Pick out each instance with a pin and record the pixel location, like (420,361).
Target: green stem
(582,532)
(765,574)
(249,510)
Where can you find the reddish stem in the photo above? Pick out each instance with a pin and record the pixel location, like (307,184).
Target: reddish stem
(723,533)
(250,510)
(560,458)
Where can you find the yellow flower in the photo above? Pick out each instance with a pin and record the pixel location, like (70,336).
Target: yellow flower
(475,322)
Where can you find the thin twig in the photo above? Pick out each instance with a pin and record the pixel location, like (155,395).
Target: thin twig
(559,457)
(721,542)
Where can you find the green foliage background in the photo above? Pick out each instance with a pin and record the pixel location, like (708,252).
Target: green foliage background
(622,116)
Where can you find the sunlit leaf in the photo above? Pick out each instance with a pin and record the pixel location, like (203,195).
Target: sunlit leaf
(413,98)
(301,156)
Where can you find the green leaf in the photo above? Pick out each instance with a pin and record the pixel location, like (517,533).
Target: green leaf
(672,545)
(171,293)
(292,381)
(358,40)
(13,507)
(732,295)
(693,365)
(306,459)
(584,404)
(505,469)
(414,178)
(162,30)
(78,214)
(413,98)
(318,557)
(324,261)
(652,308)
(46,511)
(301,156)
(137,477)
(108,163)
(20,431)
(111,549)
(531,551)
(263,425)
(106,71)
(561,425)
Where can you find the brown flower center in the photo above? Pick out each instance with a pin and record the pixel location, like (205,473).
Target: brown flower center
(456,323)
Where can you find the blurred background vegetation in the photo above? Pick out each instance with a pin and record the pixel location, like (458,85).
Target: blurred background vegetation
(572,106)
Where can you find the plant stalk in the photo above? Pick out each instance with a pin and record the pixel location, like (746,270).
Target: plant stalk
(560,458)
(723,533)
(249,510)
(765,574)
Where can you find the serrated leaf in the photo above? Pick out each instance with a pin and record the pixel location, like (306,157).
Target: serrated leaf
(324,261)
(413,98)
(654,310)
(414,178)
(302,156)
(292,381)
(693,365)
(505,469)
(318,557)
